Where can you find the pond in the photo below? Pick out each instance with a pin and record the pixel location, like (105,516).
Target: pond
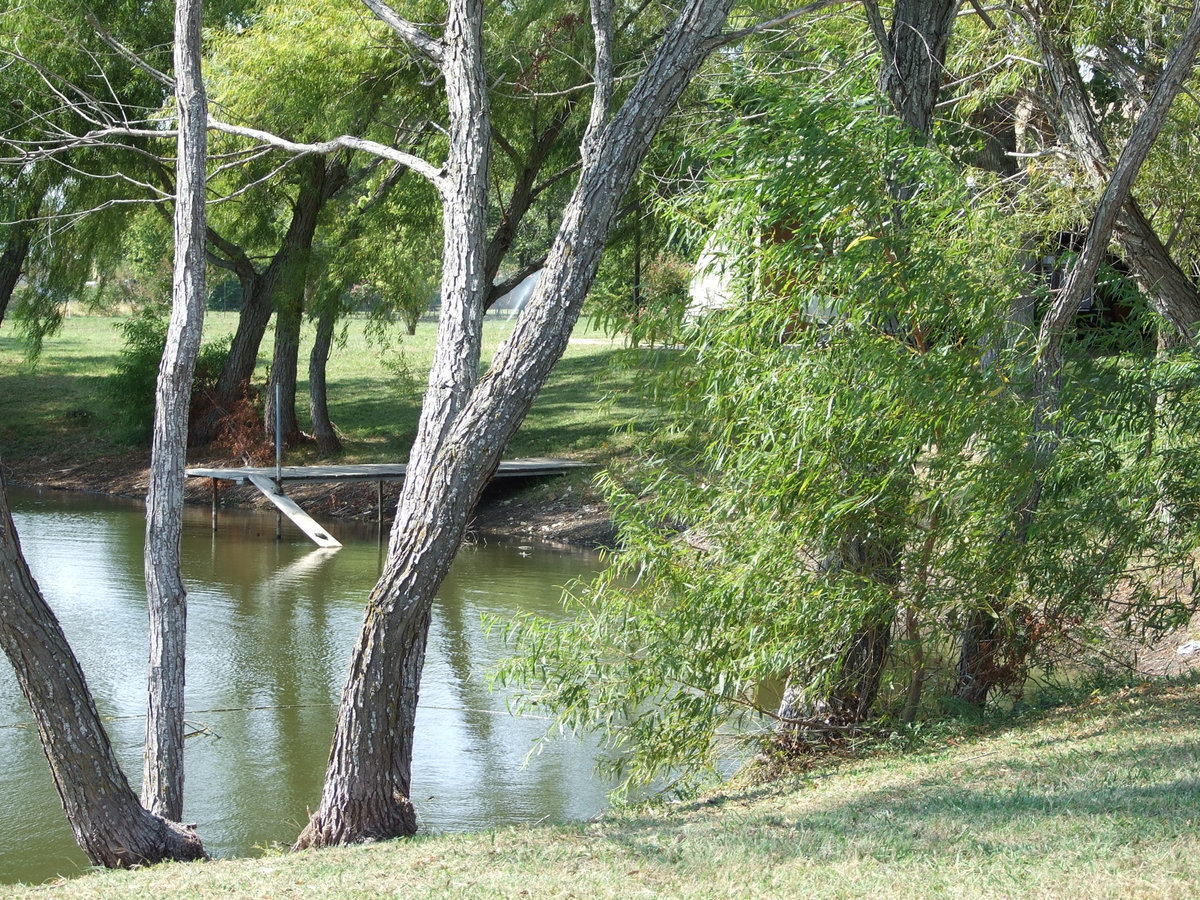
(270,629)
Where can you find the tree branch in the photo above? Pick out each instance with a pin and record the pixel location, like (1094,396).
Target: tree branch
(602,93)
(408,32)
(126,53)
(731,37)
(425,169)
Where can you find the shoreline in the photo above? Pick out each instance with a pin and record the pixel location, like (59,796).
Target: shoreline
(552,511)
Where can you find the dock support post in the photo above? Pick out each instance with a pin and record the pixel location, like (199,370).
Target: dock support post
(213,482)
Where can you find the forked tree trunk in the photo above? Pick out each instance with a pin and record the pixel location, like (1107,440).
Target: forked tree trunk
(914,58)
(259,288)
(162,779)
(112,828)
(318,397)
(463,433)
(980,638)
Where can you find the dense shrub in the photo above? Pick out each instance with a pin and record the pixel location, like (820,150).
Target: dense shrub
(130,390)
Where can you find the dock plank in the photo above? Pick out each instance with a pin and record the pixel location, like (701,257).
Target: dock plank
(511,468)
(288,507)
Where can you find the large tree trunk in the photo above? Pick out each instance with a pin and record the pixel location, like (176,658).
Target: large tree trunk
(318,397)
(914,58)
(259,288)
(111,827)
(162,780)
(12,262)
(1174,295)
(979,648)
(463,433)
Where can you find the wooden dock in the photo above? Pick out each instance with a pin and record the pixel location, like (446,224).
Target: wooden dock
(271,480)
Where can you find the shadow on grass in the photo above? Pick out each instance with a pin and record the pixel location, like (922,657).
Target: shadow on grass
(586,397)
(1104,781)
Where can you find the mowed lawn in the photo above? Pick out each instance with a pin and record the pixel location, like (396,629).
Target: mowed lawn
(61,407)
(1100,799)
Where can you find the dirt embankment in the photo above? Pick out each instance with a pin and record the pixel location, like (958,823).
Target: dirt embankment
(555,511)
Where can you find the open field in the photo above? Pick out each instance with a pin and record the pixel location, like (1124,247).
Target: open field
(1098,799)
(60,406)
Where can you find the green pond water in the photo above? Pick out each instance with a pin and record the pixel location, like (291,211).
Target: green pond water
(270,629)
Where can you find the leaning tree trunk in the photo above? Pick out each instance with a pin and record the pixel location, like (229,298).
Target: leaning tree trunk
(318,396)
(112,828)
(1048,369)
(1174,295)
(12,261)
(463,433)
(162,780)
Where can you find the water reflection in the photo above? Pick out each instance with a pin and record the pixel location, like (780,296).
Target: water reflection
(270,629)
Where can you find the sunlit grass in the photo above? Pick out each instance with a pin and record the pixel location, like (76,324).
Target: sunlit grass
(1101,799)
(61,402)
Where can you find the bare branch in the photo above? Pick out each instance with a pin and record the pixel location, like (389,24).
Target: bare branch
(426,170)
(407,31)
(983,16)
(875,20)
(731,37)
(556,177)
(126,53)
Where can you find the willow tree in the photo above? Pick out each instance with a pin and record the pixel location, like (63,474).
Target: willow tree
(468,418)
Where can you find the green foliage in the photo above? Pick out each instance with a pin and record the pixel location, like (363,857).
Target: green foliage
(849,441)
(130,389)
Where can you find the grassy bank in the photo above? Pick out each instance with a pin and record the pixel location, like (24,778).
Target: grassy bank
(1099,799)
(60,407)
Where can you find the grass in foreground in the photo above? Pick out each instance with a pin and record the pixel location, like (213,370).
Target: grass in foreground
(1098,800)
(375,388)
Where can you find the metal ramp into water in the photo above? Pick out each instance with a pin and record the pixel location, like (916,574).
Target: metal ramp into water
(270,480)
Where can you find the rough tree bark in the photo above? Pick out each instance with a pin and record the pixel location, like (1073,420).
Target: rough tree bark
(112,828)
(162,780)
(913,56)
(466,425)
(977,668)
(1173,294)
(318,397)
